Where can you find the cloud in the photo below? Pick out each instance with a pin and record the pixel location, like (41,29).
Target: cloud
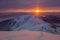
(52,3)
(19,4)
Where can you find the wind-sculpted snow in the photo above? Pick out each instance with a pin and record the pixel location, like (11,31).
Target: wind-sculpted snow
(28,22)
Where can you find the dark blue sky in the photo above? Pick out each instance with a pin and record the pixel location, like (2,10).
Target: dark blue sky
(24,4)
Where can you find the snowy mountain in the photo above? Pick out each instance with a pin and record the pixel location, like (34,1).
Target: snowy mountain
(28,22)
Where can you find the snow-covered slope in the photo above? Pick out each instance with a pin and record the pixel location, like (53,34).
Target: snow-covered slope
(27,22)
(28,35)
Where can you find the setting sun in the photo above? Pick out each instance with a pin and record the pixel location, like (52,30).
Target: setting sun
(37,11)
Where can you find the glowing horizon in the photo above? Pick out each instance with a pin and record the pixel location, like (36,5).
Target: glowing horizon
(29,10)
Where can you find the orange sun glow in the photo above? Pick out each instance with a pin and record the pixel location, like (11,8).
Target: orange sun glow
(37,11)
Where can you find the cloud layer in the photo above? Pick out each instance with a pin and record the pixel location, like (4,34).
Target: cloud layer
(19,4)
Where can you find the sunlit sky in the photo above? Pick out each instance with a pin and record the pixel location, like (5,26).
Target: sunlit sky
(29,5)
